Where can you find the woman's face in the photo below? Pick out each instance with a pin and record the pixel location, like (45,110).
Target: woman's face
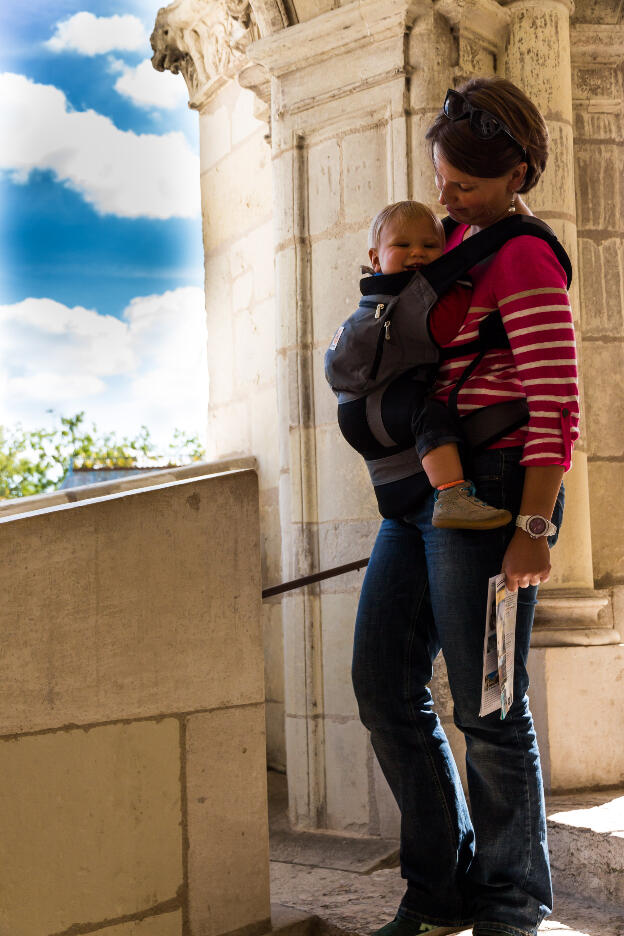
(474,201)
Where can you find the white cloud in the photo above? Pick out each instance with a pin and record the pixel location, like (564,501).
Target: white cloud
(118,172)
(147,368)
(148,88)
(94,35)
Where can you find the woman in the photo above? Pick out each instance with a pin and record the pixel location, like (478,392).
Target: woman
(425,589)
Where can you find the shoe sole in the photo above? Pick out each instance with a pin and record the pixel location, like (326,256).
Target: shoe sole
(449,524)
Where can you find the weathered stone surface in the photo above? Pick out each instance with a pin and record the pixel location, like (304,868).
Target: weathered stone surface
(90,826)
(608,549)
(599,181)
(345,490)
(227,820)
(587,845)
(573,680)
(601,273)
(365,175)
(324,181)
(348,801)
(604,361)
(165,924)
(335,280)
(115,608)
(338,616)
(230,207)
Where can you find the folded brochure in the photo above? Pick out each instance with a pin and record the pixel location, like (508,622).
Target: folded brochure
(498,647)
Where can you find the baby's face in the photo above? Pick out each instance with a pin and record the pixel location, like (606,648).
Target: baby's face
(406,244)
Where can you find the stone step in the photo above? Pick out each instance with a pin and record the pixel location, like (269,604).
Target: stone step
(586,842)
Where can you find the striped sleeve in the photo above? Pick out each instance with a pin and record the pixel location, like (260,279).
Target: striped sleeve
(530,287)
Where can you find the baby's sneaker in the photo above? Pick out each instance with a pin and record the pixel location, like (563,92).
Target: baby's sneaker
(458,508)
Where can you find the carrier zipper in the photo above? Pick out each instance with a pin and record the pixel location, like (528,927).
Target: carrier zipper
(384,334)
(379,309)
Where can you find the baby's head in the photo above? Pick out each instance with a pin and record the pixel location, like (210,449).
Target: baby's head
(404,236)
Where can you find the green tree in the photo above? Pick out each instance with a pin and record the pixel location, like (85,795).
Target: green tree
(33,461)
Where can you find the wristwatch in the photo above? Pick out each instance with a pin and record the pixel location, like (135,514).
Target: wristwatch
(536,526)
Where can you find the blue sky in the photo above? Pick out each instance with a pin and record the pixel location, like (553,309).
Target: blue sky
(101,274)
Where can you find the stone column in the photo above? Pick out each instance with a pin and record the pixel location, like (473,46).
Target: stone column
(341,139)
(576,664)
(537,58)
(206,42)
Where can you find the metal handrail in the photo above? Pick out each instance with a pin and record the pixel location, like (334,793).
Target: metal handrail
(315,577)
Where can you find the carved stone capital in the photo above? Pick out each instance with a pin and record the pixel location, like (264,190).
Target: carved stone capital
(481,28)
(205,40)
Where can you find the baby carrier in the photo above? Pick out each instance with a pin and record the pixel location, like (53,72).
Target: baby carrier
(383,353)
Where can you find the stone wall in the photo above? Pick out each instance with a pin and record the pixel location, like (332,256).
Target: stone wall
(132,744)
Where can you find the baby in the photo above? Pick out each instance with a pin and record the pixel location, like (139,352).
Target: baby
(406,236)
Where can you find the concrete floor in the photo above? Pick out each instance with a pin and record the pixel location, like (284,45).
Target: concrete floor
(310,878)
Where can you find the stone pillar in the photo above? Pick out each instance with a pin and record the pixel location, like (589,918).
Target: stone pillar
(576,662)
(341,139)
(206,42)
(537,58)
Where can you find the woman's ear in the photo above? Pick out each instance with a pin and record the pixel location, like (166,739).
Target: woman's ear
(373,256)
(518,174)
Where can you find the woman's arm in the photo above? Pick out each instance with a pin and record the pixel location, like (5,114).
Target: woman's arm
(527,561)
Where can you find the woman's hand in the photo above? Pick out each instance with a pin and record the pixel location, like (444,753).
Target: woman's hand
(526,561)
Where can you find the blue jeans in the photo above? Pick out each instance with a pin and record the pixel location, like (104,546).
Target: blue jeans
(425,590)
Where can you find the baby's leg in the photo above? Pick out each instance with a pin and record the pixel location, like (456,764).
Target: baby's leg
(456,506)
(443,465)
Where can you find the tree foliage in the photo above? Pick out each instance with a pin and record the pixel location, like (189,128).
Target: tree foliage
(33,461)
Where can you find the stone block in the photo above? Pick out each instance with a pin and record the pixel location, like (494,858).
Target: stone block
(601,274)
(607,514)
(90,826)
(165,924)
(242,291)
(284,181)
(276,736)
(300,615)
(341,542)
(299,757)
(338,620)
(270,536)
(254,253)
(325,402)
(345,491)
(346,771)
(388,815)
(599,186)
(244,122)
(423,178)
(254,347)
(273,651)
(365,171)
(323,186)
(229,427)
(554,193)
(228,833)
(604,397)
(335,280)
(580,687)
(235,200)
(116,608)
(221,357)
(214,137)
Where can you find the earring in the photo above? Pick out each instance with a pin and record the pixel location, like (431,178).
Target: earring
(512,207)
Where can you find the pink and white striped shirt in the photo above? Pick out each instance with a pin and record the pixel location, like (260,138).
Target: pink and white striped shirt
(527,283)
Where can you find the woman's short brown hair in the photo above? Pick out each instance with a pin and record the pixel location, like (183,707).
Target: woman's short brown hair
(489,159)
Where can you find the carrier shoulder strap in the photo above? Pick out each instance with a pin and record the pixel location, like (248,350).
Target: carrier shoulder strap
(443,272)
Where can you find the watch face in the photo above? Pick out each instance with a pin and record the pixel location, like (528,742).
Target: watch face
(537,526)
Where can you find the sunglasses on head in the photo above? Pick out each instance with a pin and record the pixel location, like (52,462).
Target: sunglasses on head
(484,125)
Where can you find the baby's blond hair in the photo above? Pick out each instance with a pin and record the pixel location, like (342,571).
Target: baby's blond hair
(406,211)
